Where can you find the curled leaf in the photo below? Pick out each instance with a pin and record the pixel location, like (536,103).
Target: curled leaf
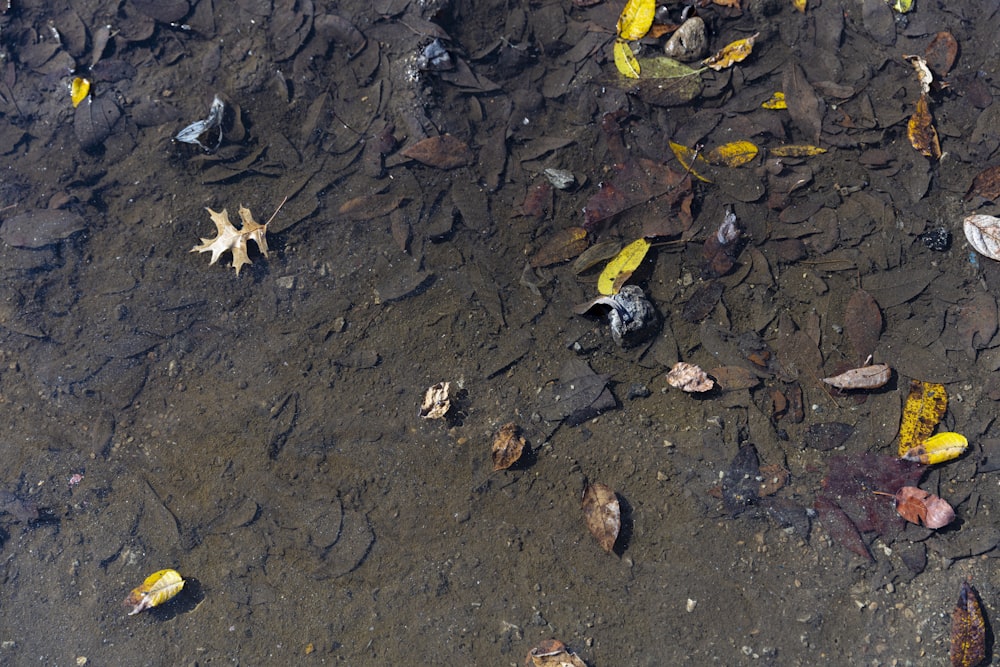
(938,448)
(920,129)
(732,53)
(158,588)
(508,445)
(602,513)
(920,507)
(866,377)
(983,234)
(690,378)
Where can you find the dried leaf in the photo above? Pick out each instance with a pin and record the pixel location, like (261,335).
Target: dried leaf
(920,507)
(968,629)
(732,53)
(625,262)
(866,377)
(636,18)
(443,151)
(688,157)
(805,107)
(983,234)
(562,245)
(733,154)
(939,448)
(925,406)
(986,184)
(232,239)
(921,132)
(436,401)
(552,653)
(625,59)
(508,445)
(158,588)
(602,513)
(923,72)
(690,378)
(862,323)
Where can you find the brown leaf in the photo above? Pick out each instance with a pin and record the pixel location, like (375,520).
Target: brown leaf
(986,184)
(863,324)
(976,322)
(940,54)
(804,106)
(828,435)
(968,629)
(923,136)
(840,527)
(508,445)
(602,513)
(443,152)
(368,207)
(866,377)
(911,505)
(562,245)
(734,377)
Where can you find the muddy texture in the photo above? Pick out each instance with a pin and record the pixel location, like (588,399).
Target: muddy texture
(261,434)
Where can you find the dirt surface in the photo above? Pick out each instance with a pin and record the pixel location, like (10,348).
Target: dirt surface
(261,434)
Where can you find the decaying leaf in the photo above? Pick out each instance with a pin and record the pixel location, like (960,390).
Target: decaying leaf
(688,157)
(38,228)
(636,18)
(561,246)
(552,653)
(920,129)
(733,154)
(925,406)
(805,107)
(796,150)
(157,588)
(968,629)
(602,512)
(862,323)
(986,184)
(866,377)
(690,378)
(232,239)
(625,59)
(938,448)
(941,53)
(622,266)
(920,507)
(436,401)
(924,75)
(731,378)
(732,53)
(983,234)
(776,102)
(828,435)
(508,445)
(443,151)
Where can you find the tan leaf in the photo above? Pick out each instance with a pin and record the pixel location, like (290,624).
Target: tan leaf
(602,513)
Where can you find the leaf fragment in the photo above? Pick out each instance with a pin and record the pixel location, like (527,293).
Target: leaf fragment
(775,102)
(443,152)
(732,53)
(625,60)
(968,629)
(636,19)
(938,448)
(866,377)
(733,154)
(602,512)
(901,6)
(800,5)
(920,129)
(986,184)
(925,406)
(157,588)
(796,150)
(625,262)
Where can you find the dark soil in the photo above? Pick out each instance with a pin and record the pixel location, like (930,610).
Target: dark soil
(261,433)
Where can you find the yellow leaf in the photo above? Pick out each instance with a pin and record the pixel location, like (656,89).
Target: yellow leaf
(733,154)
(733,52)
(796,150)
(625,60)
(636,18)
(623,264)
(687,157)
(902,6)
(777,101)
(154,591)
(925,405)
(800,5)
(938,448)
(79,90)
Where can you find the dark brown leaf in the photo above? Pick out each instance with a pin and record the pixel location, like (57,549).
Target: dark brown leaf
(340,31)
(940,54)
(35,229)
(703,301)
(602,512)
(827,436)
(986,184)
(840,527)
(968,629)
(741,483)
(368,207)
(862,324)
(562,245)
(443,151)
(94,120)
(165,11)
(804,105)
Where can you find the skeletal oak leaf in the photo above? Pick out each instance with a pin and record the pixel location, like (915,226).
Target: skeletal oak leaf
(232,239)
